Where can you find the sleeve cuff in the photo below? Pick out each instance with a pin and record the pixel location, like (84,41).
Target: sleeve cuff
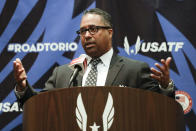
(19,94)
(169,88)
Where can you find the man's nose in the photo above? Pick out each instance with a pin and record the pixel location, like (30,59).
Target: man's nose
(87,34)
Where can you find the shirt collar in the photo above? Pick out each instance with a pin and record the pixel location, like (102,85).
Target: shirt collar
(106,58)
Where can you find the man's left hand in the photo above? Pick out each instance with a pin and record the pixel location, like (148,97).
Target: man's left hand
(162,75)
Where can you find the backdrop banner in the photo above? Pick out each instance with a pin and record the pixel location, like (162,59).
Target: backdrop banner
(42,33)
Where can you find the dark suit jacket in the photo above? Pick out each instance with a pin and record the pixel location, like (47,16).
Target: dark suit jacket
(122,72)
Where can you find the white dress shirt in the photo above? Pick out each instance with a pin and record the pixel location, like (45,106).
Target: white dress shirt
(102,68)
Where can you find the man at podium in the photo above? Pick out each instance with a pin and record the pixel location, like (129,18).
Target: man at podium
(104,66)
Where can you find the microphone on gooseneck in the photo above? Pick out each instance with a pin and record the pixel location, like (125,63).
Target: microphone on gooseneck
(78,65)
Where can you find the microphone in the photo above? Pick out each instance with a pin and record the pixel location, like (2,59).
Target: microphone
(78,65)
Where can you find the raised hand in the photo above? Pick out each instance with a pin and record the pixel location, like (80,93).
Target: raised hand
(163,74)
(19,75)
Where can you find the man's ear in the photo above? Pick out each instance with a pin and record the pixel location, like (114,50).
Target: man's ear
(110,32)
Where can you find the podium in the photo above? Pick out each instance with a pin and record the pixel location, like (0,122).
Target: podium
(102,109)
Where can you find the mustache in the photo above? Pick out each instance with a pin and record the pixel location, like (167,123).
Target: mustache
(89,42)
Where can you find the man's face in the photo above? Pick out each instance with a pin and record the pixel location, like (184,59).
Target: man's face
(95,45)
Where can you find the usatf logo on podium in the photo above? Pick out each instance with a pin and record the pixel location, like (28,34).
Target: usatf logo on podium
(107,117)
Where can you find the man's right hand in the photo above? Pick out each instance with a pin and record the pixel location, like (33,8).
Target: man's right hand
(19,75)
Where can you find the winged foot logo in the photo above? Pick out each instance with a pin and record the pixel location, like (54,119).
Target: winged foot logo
(142,46)
(107,117)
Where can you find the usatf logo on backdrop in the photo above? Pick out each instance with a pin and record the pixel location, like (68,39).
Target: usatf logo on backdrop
(41,47)
(152,46)
(8,107)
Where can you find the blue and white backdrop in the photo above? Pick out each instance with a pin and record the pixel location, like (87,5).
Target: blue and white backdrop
(42,34)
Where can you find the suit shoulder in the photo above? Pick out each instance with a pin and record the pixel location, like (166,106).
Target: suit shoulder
(63,68)
(132,61)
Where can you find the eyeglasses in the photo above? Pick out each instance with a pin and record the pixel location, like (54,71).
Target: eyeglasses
(92,29)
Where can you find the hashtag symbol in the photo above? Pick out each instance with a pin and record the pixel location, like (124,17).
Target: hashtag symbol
(10,47)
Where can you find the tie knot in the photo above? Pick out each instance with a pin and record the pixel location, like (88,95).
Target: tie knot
(96,61)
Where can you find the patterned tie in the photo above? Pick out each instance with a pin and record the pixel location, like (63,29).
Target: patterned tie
(91,79)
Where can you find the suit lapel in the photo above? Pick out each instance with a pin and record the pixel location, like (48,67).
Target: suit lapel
(79,79)
(115,66)
(76,82)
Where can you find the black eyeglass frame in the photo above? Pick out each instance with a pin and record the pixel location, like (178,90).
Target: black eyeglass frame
(89,28)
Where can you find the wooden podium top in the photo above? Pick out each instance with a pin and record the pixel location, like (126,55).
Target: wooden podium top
(102,109)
